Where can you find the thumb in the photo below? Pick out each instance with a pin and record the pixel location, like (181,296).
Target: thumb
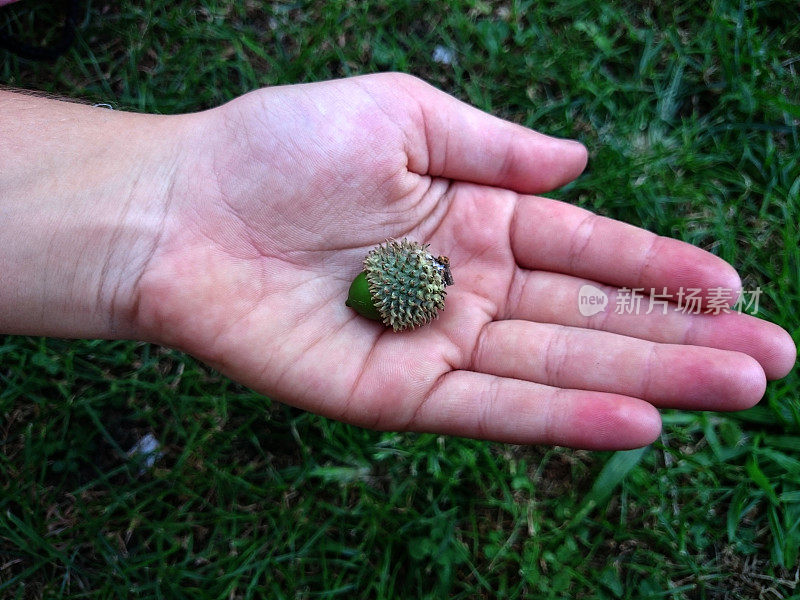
(455,140)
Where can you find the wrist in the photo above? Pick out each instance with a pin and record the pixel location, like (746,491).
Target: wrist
(84,192)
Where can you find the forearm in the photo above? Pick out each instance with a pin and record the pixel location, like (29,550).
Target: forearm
(83,195)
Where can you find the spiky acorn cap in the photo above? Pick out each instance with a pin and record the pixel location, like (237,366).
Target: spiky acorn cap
(406,283)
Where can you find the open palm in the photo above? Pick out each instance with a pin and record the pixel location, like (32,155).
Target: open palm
(273,213)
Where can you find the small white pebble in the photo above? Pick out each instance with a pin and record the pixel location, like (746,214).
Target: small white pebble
(444,55)
(147,451)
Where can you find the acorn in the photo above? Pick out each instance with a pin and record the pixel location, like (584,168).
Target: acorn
(402,285)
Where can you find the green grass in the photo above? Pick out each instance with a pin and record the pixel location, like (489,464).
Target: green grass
(690,112)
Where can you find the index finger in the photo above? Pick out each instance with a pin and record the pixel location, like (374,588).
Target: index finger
(549,235)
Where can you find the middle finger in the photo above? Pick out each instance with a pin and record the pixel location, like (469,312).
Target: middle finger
(666,375)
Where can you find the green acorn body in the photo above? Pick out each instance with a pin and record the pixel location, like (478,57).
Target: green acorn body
(402,285)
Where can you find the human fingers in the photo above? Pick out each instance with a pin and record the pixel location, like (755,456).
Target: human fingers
(479,405)
(455,140)
(545,297)
(554,236)
(666,375)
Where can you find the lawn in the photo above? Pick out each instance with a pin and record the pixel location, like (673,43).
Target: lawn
(691,113)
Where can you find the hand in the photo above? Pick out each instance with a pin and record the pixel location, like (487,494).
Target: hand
(234,234)
(295,184)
